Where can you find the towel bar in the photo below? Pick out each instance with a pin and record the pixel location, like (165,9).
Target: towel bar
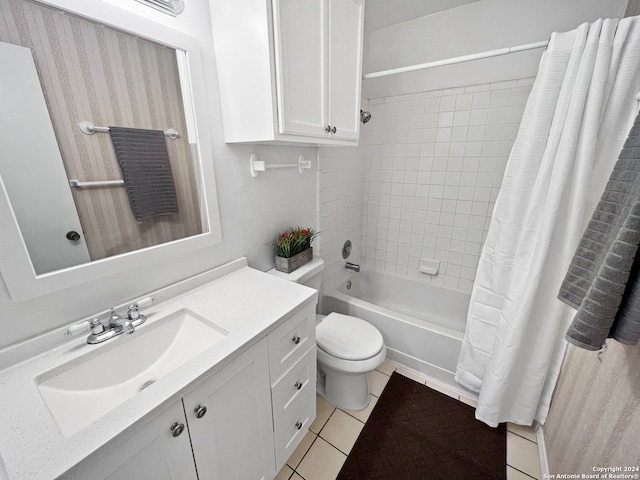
(99,183)
(89,128)
(256,166)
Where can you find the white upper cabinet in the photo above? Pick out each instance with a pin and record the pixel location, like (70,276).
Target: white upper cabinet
(289,70)
(300,32)
(345,66)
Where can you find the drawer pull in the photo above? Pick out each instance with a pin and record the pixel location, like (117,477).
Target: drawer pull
(296,339)
(298,385)
(298,425)
(200,411)
(177,429)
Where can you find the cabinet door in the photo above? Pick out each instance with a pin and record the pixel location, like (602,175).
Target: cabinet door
(301,77)
(345,66)
(234,438)
(151,453)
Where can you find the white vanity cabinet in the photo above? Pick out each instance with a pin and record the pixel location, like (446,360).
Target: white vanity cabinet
(227,430)
(233,437)
(289,70)
(241,423)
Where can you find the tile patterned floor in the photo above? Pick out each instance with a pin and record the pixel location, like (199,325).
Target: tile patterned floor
(326,446)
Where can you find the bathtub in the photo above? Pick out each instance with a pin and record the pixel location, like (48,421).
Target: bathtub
(422,324)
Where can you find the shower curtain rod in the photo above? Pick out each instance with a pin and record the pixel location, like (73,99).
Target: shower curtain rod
(452,60)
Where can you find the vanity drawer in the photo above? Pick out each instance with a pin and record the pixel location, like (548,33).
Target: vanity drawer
(294,412)
(290,341)
(293,386)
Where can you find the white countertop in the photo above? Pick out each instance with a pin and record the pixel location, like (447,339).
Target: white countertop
(246,302)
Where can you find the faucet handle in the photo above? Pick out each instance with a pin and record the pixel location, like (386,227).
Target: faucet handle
(95,326)
(145,302)
(133,311)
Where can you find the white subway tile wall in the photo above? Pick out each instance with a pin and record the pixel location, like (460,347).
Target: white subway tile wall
(341,186)
(433,165)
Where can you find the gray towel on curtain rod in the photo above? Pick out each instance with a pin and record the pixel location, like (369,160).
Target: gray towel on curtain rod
(603,282)
(143,158)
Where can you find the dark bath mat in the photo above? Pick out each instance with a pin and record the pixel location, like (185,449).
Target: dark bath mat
(416,433)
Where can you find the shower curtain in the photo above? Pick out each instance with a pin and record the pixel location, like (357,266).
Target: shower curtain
(578,115)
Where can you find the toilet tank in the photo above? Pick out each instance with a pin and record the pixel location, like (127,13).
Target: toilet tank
(309,274)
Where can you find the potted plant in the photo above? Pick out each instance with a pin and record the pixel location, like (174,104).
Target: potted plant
(293,248)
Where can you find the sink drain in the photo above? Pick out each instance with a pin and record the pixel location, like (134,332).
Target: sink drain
(146,384)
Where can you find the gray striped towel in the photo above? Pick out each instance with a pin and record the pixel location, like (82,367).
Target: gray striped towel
(603,281)
(143,158)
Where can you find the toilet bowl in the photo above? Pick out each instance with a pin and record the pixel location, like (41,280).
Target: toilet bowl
(348,347)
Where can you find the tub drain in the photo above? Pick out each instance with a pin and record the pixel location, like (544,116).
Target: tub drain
(146,384)
(348,284)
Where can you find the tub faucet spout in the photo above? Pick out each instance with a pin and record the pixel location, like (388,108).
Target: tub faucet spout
(352,266)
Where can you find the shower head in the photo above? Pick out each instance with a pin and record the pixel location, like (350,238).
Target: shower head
(365,116)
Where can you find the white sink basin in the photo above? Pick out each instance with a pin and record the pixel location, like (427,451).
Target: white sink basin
(81,391)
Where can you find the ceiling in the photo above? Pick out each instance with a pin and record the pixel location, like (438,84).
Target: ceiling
(383,13)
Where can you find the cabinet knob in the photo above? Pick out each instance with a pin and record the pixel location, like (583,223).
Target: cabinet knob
(298,425)
(296,339)
(334,130)
(73,236)
(200,411)
(328,129)
(298,385)
(177,429)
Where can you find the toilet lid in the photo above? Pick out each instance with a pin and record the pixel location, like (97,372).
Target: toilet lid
(347,337)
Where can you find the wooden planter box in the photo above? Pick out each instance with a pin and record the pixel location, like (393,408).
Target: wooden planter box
(288,265)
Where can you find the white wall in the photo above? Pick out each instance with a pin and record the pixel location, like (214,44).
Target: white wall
(252,211)
(471,28)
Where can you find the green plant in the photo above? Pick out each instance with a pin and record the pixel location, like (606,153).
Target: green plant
(293,241)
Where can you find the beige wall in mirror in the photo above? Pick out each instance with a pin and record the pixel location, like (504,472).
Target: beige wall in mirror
(96,73)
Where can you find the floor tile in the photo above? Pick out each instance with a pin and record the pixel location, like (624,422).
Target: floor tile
(524,431)
(387,368)
(322,462)
(363,415)
(523,455)
(445,390)
(377,382)
(323,411)
(301,450)
(411,375)
(469,401)
(513,474)
(284,473)
(341,431)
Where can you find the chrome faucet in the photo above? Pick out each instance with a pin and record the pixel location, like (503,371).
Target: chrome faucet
(352,266)
(122,324)
(117,324)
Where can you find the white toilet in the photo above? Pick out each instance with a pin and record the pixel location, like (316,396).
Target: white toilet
(348,347)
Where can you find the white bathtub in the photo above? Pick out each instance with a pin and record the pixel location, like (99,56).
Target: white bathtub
(422,325)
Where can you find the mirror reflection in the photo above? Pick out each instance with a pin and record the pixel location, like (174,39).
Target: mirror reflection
(66,70)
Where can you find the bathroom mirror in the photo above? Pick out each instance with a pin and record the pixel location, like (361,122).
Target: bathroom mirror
(109,67)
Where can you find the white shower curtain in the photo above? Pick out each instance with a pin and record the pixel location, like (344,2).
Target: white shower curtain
(578,115)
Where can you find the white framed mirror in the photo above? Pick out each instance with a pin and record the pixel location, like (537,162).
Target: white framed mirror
(40,252)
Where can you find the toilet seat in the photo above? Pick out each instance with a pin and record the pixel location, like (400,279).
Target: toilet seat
(348,338)
(351,366)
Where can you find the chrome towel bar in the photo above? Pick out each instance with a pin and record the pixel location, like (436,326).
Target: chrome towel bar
(89,128)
